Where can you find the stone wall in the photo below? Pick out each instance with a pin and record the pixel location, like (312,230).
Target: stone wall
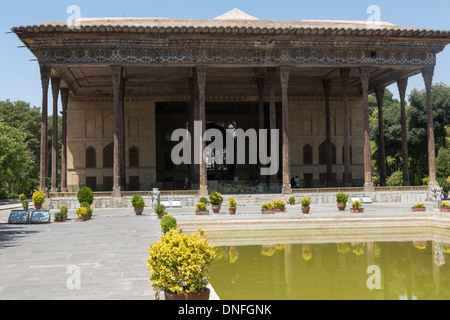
(90,124)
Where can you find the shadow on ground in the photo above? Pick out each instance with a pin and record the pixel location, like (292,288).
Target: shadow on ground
(10,234)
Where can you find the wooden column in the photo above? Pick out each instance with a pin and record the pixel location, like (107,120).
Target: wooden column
(260,86)
(402,83)
(201,78)
(427,74)
(193,89)
(368,185)
(284,77)
(56,84)
(64,102)
(379,92)
(117,74)
(272,109)
(43,173)
(345,73)
(327,88)
(122,151)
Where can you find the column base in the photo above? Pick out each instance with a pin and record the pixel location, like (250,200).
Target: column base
(369,187)
(286,189)
(117,192)
(204,191)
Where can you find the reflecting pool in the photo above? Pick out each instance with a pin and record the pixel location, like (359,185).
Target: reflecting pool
(353,270)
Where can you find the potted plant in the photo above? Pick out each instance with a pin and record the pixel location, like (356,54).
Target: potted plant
(61,215)
(232,206)
(82,213)
(215,199)
(305,205)
(25,204)
(200,209)
(445,206)
(292,201)
(22,197)
(90,210)
(168,223)
(356,207)
(138,204)
(160,210)
(341,199)
(179,266)
(204,200)
(38,199)
(267,208)
(279,206)
(420,206)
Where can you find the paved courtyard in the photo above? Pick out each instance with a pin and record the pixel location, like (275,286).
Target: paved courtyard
(106,257)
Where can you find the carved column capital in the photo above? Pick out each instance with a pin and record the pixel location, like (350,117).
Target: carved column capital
(427,74)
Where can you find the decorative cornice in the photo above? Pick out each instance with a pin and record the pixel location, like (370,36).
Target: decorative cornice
(190,56)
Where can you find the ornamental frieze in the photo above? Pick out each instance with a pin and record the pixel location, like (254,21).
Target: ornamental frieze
(183,56)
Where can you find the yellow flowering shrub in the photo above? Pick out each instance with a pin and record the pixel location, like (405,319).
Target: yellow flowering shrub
(419,205)
(445,204)
(215,198)
(38,197)
(201,206)
(82,212)
(356,204)
(180,263)
(232,203)
(267,206)
(305,202)
(279,204)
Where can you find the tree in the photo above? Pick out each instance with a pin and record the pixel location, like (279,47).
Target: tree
(16,159)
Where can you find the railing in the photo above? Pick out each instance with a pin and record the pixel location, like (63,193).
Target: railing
(329,190)
(402,188)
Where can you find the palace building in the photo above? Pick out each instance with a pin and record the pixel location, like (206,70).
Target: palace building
(127,83)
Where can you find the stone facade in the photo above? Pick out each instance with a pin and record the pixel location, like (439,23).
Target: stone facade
(90,125)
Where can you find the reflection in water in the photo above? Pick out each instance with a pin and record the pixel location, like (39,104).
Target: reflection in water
(357,270)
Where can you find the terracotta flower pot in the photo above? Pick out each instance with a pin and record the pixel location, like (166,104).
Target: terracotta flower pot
(267,211)
(187,296)
(341,206)
(357,210)
(138,211)
(215,208)
(292,203)
(445,209)
(232,210)
(416,209)
(38,206)
(280,209)
(201,212)
(305,210)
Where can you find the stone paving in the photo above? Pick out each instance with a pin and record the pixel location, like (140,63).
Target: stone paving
(107,256)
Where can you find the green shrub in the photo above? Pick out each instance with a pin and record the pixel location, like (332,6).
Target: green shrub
(342,198)
(203,200)
(291,199)
(85,195)
(63,209)
(137,201)
(160,209)
(25,204)
(168,223)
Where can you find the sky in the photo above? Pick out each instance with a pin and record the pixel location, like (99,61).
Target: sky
(20,79)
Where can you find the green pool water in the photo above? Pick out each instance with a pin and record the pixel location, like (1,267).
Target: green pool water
(364,270)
